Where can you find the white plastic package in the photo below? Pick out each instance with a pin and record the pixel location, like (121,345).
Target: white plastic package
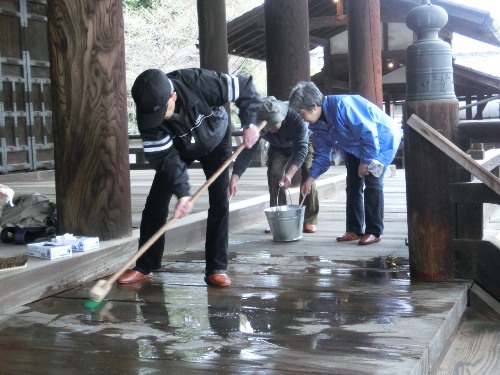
(9,194)
(376,168)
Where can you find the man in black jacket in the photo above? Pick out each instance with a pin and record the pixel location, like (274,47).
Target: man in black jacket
(181,118)
(290,150)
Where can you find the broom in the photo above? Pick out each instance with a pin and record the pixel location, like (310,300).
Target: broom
(102,287)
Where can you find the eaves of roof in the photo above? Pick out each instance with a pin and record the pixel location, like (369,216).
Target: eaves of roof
(246,34)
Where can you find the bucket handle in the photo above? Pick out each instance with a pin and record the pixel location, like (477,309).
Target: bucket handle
(277,196)
(302,201)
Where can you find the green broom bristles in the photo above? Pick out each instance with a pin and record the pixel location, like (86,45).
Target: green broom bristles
(94,306)
(14,262)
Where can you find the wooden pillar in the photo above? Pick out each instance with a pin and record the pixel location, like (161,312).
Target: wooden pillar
(287,45)
(480,108)
(429,171)
(213,35)
(327,62)
(468,110)
(90,118)
(365,57)
(387,104)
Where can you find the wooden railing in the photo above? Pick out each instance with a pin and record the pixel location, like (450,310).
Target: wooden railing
(474,194)
(477,257)
(476,136)
(474,201)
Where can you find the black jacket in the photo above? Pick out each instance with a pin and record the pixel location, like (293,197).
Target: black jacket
(292,138)
(199,122)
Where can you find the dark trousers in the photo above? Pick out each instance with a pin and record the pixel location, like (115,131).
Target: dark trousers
(277,162)
(365,200)
(156,211)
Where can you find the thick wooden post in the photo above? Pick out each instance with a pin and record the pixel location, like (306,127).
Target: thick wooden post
(287,45)
(429,171)
(365,56)
(213,35)
(90,118)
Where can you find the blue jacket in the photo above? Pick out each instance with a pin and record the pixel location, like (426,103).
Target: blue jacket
(354,125)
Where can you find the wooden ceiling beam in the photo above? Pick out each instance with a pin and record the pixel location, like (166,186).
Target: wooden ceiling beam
(327,21)
(317,41)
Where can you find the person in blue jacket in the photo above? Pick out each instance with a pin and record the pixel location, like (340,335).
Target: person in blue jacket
(369,140)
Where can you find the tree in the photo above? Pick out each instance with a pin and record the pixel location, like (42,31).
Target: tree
(164,35)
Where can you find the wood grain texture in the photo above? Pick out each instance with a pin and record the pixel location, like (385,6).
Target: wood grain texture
(90,117)
(287,45)
(213,34)
(429,173)
(474,350)
(310,306)
(365,56)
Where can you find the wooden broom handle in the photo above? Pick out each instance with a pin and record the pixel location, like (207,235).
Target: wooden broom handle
(169,222)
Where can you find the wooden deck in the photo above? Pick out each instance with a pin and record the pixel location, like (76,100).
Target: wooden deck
(42,278)
(313,306)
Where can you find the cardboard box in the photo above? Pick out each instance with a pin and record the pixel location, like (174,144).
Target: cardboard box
(80,243)
(49,250)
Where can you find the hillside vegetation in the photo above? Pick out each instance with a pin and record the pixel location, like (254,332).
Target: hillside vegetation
(163,34)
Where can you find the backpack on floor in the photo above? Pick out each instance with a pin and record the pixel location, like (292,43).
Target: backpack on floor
(32,217)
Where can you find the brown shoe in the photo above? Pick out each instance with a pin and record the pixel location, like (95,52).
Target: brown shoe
(368,239)
(132,276)
(309,228)
(218,279)
(348,236)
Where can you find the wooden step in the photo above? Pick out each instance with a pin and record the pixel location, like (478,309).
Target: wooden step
(475,347)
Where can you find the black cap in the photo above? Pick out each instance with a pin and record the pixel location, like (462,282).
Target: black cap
(151,91)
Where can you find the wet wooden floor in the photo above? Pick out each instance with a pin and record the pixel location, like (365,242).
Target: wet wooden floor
(42,278)
(312,306)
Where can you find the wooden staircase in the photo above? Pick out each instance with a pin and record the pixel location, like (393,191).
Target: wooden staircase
(474,347)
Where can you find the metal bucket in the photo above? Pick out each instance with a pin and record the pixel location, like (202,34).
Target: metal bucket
(286,222)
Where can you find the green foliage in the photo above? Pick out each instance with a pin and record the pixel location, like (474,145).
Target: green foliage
(137,4)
